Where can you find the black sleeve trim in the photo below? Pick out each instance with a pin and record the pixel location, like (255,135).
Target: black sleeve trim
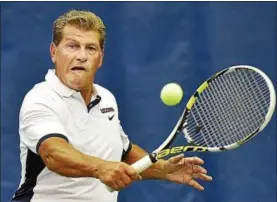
(127,151)
(48,136)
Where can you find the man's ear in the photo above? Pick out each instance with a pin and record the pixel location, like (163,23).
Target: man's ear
(101,59)
(53,49)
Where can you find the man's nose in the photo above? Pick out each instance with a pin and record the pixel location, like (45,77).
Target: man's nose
(82,55)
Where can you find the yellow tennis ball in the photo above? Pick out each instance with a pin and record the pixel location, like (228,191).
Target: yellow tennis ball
(171,94)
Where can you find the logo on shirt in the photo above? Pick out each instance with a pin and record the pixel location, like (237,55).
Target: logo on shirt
(111,117)
(106,110)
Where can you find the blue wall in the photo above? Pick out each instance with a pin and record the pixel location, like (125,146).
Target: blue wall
(148,45)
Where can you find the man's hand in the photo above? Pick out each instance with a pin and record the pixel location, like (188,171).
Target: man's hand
(117,175)
(185,171)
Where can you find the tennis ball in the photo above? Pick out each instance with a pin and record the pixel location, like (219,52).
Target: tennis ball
(171,94)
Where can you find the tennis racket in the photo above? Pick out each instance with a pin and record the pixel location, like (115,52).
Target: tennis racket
(225,112)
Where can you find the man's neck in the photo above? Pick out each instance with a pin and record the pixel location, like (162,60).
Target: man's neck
(87,93)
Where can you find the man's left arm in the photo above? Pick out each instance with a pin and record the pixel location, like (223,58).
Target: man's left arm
(154,172)
(178,169)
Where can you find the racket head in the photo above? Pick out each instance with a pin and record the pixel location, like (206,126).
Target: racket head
(229,109)
(228,95)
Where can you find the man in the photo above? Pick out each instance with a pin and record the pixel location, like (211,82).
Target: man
(72,144)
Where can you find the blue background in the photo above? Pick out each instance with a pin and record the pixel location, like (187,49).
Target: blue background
(148,45)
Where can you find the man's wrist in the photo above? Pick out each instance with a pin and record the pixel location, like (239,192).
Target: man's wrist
(163,168)
(156,171)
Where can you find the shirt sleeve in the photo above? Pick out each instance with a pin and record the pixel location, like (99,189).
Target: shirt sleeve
(127,145)
(38,122)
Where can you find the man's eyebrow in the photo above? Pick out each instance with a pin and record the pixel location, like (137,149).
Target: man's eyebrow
(72,39)
(69,39)
(91,44)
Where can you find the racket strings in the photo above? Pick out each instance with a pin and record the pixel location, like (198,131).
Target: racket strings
(209,116)
(223,130)
(259,97)
(245,111)
(221,116)
(230,109)
(194,125)
(262,87)
(217,119)
(241,110)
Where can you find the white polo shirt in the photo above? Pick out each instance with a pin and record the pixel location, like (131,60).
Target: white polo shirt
(52,109)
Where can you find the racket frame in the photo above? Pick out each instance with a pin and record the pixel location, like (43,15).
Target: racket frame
(163,150)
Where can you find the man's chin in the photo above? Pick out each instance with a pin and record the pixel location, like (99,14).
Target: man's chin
(78,87)
(74,86)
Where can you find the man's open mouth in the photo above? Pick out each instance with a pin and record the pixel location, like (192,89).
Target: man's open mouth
(78,68)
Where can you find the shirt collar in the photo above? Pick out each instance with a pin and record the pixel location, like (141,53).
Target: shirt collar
(55,83)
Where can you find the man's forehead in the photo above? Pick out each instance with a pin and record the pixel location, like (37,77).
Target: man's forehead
(70,32)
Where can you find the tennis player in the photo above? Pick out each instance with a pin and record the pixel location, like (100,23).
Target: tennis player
(72,144)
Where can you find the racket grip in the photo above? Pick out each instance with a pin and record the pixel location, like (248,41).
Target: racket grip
(141,165)
(144,163)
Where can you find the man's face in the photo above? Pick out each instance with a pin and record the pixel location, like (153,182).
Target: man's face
(77,57)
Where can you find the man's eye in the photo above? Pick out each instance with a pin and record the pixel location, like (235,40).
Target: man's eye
(91,48)
(73,46)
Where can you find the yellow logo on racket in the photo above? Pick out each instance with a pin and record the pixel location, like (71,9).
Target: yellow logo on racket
(180,149)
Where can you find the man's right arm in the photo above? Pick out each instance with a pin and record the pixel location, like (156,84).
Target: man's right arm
(60,157)
(43,133)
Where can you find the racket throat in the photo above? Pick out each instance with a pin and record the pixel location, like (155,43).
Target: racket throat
(153,157)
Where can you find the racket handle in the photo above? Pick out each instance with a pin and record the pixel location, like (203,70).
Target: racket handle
(144,163)
(141,165)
